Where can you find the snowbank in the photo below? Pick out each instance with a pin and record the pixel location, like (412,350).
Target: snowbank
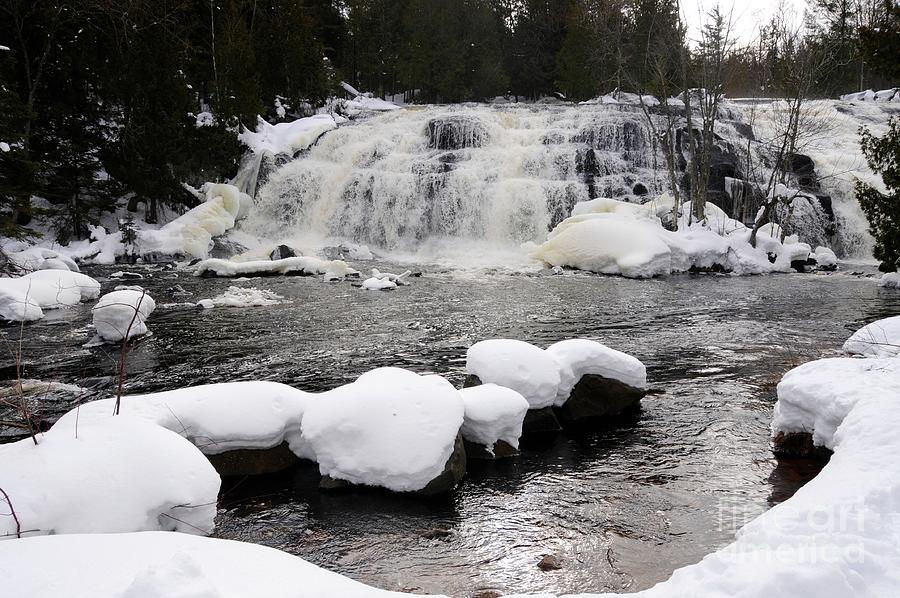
(215,417)
(579,357)
(301,265)
(286,137)
(529,370)
(25,298)
(41,258)
(878,339)
(164,565)
(493,413)
(122,313)
(890,280)
(613,237)
(242,297)
(390,428)
(119,475)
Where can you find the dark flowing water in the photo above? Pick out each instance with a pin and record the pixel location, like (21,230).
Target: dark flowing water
(620,508)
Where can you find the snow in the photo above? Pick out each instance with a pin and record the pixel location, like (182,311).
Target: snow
(300,265)
(378,284)
(41,258)
(397,279)
(122,313)
(391,428)
(890,280)
(4,147)
(613,237)
(25,298)
(529,370)
(164,565)
(119,475)
(214,417)
(825,257)
(242,297)
(878,339)
(493,413)
(287,137)
(373,104)
(205,119)
(885,95)
(191,234)
(578,357)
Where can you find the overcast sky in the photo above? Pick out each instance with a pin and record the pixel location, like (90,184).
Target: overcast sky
(746,14)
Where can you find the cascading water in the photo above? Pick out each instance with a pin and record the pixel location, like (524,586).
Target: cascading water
(496,174)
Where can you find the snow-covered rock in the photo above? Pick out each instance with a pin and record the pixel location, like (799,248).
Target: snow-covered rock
(122,313)
(25,298)
(878,339)
(287,137)
(292,266)
(242,297)
(378,284)
(165,565)
(215,417)
(391,428)
(529,370)
(398,279)
(118,475)
(493,413)
(41,258)
(580,357)
(890,280)
(825,258)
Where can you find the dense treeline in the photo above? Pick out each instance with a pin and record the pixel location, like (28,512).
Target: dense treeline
(99,99)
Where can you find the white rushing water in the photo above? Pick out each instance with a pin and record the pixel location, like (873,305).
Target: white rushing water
(479,180)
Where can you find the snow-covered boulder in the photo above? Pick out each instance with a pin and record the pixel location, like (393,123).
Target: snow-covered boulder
(245,428)
(122,314)
(390,428)
(25,298)
(242,297)
(890,280)
(287,137)
(165,565)
(378,284)
(878,339)
(493,420)
(397,279)
(825,258)
(596,381)
(515,364)
(40,258)
(292,266)
(118,475)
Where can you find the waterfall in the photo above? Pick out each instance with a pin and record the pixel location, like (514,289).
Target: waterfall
(501,175)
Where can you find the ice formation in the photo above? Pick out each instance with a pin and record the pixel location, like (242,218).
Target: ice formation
(122,314)
(301,265)
(493,413)
(878,339)
(286,137)
(242,297)
(118,475)
(391,428)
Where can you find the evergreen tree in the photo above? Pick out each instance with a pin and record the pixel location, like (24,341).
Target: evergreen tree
(883,209)
(17,170)
(574,75)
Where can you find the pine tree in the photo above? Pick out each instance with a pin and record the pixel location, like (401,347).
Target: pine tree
(574,75)
(883,209)
(17,170)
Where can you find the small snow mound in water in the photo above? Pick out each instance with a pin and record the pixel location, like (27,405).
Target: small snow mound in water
(529,370)
(493,413)
(391,428)
(878,339)
(890,280)
(122,313)
(118,475)
(242,297)
(301,265)
(24,299)
(378,284)
(579,357)
(41,258)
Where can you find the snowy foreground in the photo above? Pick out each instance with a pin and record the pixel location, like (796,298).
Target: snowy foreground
(836,537)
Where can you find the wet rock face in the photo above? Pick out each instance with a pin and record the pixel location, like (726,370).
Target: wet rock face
(281,252)
(797,444)
(455,132)
(596,398)
(254,461)
(453,473)
(501,450)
